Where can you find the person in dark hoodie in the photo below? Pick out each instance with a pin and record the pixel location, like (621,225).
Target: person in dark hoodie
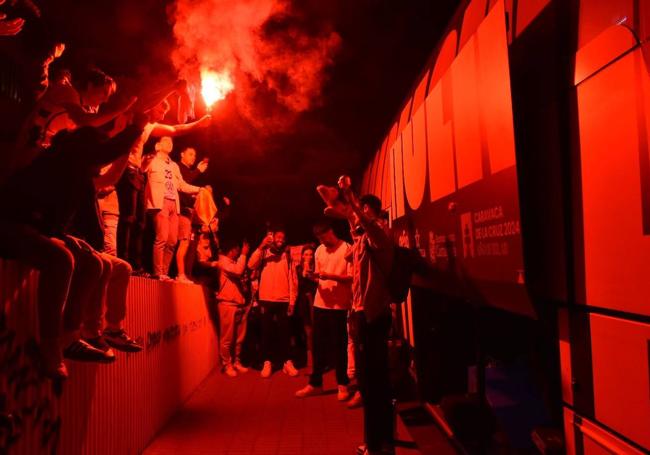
(38,204)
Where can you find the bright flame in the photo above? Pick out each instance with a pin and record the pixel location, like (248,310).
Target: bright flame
(215,86)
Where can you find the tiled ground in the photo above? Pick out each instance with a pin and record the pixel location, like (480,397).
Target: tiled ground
(250,415)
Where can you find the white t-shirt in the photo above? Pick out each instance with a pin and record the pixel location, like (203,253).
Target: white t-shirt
(171,192)
(331,294)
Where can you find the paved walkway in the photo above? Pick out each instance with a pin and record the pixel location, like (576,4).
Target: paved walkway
(250,415)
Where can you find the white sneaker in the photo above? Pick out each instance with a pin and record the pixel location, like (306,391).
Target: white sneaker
(230,371)
(309,391)
(356,401)
(164,278)
(289,369)
(266,370)
(240,368)
(343,393)
(183,279)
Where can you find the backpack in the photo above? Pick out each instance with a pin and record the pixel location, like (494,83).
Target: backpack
(402,269)
(401,272)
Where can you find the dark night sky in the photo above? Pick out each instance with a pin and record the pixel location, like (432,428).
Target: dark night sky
(385,44)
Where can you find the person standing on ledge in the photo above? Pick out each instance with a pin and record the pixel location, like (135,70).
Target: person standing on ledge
(164,181)
(184,256)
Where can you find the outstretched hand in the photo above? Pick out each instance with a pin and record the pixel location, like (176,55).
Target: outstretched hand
(345,186)
(336,199)
(202,166)
(266,242)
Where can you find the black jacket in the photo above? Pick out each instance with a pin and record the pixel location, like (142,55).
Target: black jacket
(49,192)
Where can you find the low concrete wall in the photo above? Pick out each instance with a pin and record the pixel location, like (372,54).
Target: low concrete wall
(102,409)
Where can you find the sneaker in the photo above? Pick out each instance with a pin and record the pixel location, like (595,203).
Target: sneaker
(309,391)
(83,352)
(240,368)
(356,401)
(230,371)
(121,341)
(99,342)
(52,365)
(164,278)
(183,279)
(266,370)
(343,393)
(289,369)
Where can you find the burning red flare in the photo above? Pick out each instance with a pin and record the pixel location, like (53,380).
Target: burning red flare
(215,86)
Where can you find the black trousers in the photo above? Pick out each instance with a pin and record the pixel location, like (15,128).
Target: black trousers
(371,356)
(130,229)
(276,337)
(330,338)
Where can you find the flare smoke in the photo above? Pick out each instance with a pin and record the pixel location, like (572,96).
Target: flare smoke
(277,60)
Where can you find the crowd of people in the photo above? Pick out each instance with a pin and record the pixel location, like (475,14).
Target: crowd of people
(76,194)
(338,292)
(76,191)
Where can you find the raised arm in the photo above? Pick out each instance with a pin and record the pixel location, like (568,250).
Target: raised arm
(83,118)
(255,259)
(112,149)
(113,174)
(237,269)
(376,234)
(148,102)
(161,130)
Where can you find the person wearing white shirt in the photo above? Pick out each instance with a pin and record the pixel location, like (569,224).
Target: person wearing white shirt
(164,181)
(332,302)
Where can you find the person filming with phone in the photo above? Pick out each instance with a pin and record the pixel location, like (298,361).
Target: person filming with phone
(277,297)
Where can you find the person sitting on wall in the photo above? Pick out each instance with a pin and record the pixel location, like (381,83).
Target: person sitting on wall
(66,107)
(39,203)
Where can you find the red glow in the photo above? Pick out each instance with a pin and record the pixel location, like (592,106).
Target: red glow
(215,86)
(279,71)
